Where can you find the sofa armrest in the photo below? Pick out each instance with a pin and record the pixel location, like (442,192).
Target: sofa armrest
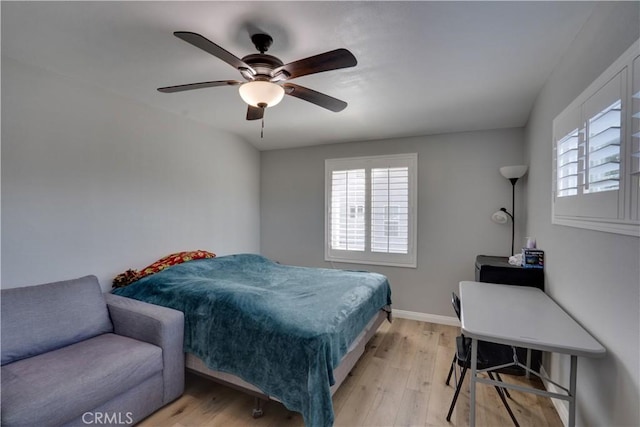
(161,326)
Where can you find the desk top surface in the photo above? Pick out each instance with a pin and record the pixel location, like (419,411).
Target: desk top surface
(524,317)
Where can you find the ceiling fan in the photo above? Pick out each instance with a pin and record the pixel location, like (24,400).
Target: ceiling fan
(266,77)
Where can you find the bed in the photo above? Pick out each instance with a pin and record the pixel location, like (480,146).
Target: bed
(282,332)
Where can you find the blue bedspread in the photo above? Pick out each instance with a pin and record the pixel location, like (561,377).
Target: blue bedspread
(281,328)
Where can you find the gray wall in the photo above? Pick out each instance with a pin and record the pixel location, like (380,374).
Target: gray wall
(594,275)
(459,188)
(93,183)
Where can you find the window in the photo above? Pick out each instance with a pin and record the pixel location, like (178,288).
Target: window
(588,155)
(635,142)
(371,210)
(595,171)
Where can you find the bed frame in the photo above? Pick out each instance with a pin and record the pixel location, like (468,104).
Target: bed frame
(196,365)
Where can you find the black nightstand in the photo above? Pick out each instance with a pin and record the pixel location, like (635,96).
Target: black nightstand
(496,269)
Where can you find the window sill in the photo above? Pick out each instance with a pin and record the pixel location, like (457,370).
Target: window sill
(628,229)
(412,264)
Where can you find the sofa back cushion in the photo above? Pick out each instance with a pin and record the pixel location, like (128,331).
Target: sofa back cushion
(37,319)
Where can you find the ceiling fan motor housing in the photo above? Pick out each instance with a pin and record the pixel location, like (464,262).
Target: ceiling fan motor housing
(262,64)
(262,42)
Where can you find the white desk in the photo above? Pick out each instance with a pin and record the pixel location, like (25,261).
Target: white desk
(522,317)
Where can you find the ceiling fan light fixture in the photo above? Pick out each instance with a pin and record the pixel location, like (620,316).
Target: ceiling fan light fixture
(261,92)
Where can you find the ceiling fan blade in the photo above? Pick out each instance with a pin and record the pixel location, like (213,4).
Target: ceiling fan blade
(202,85)
(333,60)
(210,47)
(255,113)
(310,95)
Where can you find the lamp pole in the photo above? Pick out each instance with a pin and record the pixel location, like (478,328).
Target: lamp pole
(513,210)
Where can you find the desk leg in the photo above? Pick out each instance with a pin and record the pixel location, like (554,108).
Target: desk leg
(474,367)
(572,391)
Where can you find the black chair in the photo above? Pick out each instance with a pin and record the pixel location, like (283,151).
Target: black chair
(489,355)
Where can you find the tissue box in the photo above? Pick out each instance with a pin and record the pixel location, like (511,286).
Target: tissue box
(532,258)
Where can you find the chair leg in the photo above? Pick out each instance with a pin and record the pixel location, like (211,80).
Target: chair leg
(453,362)
(506,404)
(455,396)
(506,391)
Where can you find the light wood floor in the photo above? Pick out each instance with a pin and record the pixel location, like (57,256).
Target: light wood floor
(399,381)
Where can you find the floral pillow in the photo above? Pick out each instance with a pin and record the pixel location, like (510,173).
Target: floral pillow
(131,276)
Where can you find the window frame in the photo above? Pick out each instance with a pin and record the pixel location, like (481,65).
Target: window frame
(368,256)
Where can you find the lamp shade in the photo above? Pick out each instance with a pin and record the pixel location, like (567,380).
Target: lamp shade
(511,172)
(261,92)
(499,217)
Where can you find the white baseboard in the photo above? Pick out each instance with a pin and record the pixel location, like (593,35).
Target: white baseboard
(561,408)
(425,317)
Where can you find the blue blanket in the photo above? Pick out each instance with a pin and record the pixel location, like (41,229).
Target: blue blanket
(282,328)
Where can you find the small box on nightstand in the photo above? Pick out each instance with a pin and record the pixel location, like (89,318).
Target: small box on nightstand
(532,258)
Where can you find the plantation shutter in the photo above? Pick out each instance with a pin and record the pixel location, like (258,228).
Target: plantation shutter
(390,210)
(347,210)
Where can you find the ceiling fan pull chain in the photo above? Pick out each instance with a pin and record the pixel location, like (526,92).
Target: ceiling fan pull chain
(264,107)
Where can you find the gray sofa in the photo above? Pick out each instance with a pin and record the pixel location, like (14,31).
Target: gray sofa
(72,355)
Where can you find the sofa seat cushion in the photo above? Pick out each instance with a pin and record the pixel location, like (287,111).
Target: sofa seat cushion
(55,387)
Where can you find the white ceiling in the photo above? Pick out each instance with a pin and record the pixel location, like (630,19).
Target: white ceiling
(423,67)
